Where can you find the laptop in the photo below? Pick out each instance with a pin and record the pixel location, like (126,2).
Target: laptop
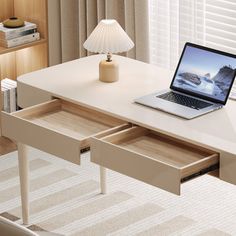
(201,83)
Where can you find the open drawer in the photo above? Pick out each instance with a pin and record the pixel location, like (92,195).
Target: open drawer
(58,127)
(152,157)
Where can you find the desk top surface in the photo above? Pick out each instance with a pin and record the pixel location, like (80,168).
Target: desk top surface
(77,81)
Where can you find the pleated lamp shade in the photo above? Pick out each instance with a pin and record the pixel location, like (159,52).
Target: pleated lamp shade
(108,37)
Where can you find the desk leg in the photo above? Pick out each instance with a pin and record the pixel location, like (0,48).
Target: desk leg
(24,181)
(103,180)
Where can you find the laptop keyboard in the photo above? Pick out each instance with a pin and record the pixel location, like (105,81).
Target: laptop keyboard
(184,100)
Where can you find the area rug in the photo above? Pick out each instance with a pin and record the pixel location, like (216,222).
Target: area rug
(65,199)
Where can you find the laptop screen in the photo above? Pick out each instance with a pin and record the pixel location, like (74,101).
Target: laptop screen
(205,73)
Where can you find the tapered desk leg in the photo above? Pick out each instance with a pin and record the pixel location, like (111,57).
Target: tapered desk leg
(24,181)
(103,180)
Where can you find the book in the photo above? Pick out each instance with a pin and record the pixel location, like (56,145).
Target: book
(19,34)
(9,95)
(2,101)
(6,97)
(14,32)
(20,40)
(12,84)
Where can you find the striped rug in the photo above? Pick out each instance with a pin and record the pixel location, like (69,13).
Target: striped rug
(65,199)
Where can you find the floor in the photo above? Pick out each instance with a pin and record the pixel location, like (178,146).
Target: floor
(65,198)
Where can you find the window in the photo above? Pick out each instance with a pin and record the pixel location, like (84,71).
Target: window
(208,22)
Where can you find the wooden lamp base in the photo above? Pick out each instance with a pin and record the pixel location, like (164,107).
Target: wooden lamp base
(108,71)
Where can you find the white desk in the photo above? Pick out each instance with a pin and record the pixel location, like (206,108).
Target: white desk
(77,82)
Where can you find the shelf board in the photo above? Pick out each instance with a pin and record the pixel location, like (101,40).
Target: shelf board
(4,50)
(6,146)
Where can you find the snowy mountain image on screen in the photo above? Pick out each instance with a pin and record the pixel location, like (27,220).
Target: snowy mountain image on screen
(216,86)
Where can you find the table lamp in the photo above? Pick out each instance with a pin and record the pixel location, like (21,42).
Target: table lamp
(108,37)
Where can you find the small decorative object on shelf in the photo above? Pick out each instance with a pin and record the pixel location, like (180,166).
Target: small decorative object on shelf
(13,22)
(11,37)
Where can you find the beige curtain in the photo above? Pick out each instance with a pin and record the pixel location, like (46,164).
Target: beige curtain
(72,21)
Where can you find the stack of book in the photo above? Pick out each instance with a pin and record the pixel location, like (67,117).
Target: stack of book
(11,37)
(9,95)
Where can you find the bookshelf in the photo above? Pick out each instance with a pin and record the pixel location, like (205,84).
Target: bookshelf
(25,58)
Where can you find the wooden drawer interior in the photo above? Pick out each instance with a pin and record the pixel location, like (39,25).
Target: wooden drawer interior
(59,127)
(70,119)
(191,160)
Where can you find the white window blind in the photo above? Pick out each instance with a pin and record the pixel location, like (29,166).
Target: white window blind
(207,22)
(220,24)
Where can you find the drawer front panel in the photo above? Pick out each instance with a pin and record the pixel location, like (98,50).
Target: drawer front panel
(39,137)
(152,157)
(135,165)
